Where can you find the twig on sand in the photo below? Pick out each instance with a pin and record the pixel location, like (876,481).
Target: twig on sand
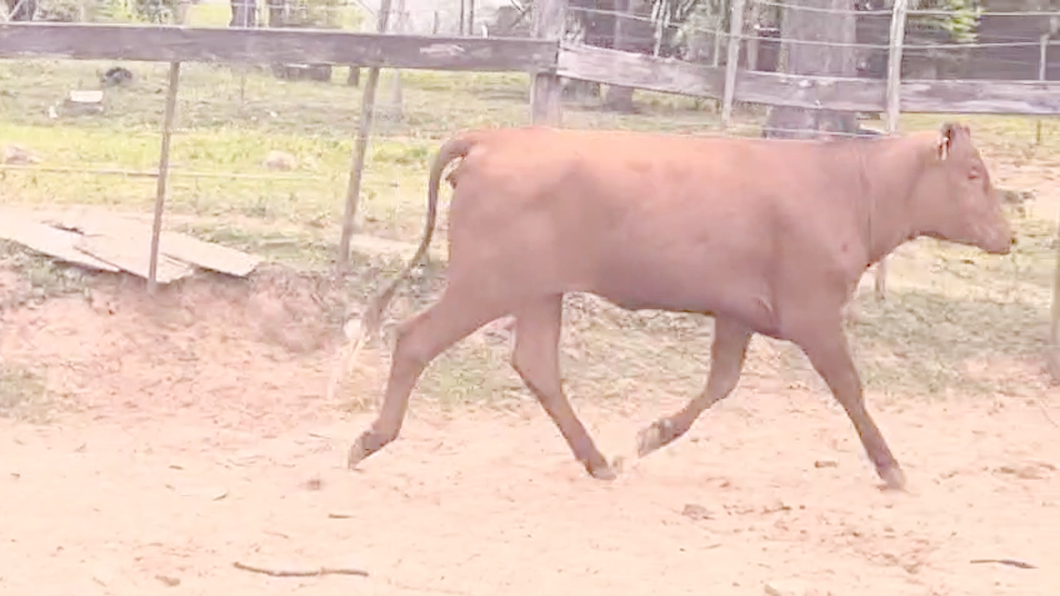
(1012,562)
(301,572)
(1045,412)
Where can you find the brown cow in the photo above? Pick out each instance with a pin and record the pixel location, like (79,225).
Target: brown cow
(766,236)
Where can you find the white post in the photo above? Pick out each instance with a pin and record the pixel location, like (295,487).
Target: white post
(732,60)
(1052,356)
(1043,52)
(894,112)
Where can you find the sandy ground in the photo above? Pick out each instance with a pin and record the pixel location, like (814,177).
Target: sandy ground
(195,443)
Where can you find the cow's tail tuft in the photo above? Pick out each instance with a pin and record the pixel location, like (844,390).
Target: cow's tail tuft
(358,333)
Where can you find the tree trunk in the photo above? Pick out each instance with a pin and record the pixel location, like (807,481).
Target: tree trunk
(753,20)
(23,11)
(244,13)
(599,26)
(838,61)
(632,33)
(277,13)
(621,98)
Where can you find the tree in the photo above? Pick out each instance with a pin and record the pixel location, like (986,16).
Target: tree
(633,32)
(21,10)
(819,58)
(244,13)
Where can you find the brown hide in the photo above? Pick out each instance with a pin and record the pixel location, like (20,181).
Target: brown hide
(767,236)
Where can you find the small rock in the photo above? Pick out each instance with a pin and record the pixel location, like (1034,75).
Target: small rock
(788,587)
(776,506)
(18,155)
(1029,471)
(280,160)
(825,463)
(694,511)
(172,582)
(116,75)
(314,483)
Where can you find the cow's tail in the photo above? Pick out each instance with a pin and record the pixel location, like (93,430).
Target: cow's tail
(359,333)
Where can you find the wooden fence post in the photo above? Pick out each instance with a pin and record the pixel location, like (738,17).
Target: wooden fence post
(894,111)
(1043,53)
(360,146)
(163,175)
(732,60)
(397,96)
(549,20)
(1052,356)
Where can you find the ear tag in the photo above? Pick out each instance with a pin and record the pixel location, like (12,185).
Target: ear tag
(944,147)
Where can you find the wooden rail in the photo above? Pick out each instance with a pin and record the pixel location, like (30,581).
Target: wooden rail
(263,46)
(539,56)
(815,92)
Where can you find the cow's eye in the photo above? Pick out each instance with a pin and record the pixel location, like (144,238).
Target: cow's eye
(974,174)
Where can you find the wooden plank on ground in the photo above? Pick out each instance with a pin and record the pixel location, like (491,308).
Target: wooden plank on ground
(56,243)
(207,255)
(172,244)
(263,46)
(131,254)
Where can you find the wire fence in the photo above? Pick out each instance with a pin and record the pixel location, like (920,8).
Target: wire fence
(687,28)
(221,100)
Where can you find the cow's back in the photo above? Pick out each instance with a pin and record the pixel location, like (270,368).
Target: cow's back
(647,220)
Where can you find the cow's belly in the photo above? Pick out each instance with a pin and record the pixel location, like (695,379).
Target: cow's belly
(745,297)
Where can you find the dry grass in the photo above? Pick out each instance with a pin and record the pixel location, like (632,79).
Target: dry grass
(22,394)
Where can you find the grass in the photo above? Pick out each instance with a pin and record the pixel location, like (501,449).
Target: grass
(33,278)
(950,307)
(22,394)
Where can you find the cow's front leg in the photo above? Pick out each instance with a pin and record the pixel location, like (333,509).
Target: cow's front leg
(536,359)
(727,356)
(827,349)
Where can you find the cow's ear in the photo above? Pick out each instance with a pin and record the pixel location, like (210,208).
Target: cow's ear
(944,147)
(947,133)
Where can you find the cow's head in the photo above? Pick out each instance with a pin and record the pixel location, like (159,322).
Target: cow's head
(958,201)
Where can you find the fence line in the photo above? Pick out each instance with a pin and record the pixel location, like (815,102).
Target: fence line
(547,59)
(154,173)
(909,11)
(790,41)
(239,45)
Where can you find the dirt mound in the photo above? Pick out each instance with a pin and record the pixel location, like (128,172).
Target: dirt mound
(230,347)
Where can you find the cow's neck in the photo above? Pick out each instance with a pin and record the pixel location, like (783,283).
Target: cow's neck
(890,169)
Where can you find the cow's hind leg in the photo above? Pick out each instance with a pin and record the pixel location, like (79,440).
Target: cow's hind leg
(536,359)
(727,357)
(419,341)
(829,353)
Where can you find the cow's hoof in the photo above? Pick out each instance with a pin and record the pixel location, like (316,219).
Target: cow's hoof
(601,471)
(659,433)
(355,456)
(893,478)
(365,445)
